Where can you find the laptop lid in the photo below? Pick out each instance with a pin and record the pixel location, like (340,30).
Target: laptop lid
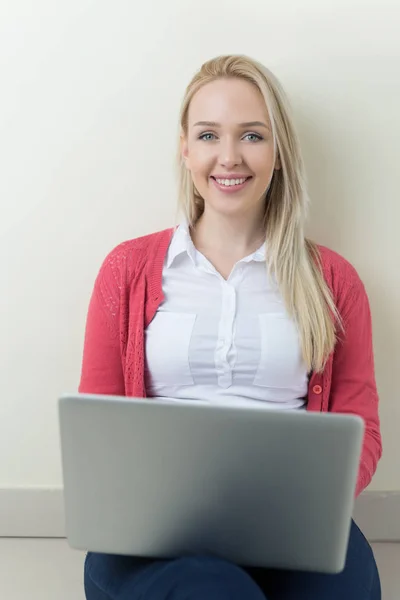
(166,479)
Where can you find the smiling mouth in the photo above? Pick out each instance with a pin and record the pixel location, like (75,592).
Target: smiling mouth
(231,182)
(232,185)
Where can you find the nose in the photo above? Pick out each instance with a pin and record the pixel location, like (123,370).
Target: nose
(230,154)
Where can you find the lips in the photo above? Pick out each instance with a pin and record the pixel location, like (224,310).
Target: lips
(230,185)
(230,176)
(232,180)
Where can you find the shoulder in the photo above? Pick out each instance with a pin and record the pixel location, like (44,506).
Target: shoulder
(342,278)
(336,266)
(142,245)
(134,253)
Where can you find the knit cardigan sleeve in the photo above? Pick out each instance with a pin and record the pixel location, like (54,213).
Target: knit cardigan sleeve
(353,386)
(102,371)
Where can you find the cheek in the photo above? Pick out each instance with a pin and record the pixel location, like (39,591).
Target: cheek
(262,162)
(201,160)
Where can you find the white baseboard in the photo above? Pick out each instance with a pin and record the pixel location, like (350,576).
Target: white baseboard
(378,516)
(32,512)
(39,512)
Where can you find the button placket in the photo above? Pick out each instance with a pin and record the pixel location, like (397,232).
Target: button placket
(225,335)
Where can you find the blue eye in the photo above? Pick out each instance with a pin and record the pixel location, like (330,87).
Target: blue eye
(255,136)
(203,136)
(208,136)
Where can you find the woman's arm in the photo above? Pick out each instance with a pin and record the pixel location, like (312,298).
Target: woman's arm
(353,387)
(102,371)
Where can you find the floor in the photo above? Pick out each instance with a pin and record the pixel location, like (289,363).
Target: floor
(47,569)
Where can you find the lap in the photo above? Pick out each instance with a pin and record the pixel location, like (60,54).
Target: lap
(358,581)
(110,577)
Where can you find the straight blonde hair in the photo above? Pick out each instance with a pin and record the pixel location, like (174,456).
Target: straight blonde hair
(293,259)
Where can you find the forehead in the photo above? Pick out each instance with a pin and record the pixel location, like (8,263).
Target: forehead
(228,101)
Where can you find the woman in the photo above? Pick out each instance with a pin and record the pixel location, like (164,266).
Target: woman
(235,305)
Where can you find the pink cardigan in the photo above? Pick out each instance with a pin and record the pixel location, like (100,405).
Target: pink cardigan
(128,291)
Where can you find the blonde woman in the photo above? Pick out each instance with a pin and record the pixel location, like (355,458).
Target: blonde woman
(235,305)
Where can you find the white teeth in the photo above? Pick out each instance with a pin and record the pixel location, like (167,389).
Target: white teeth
(230,181)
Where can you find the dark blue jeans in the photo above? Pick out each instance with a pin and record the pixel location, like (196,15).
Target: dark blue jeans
(111,577)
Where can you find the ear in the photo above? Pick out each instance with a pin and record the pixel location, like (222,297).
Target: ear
(184,149)
(278,164)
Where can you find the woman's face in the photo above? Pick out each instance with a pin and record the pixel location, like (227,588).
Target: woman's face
(229,147)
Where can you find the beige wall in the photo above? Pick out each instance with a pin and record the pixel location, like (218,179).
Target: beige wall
(89,100)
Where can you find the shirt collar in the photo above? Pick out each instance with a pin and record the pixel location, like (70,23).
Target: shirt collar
(257,256)
(182,243)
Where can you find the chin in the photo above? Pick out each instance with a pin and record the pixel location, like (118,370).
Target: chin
(229,207)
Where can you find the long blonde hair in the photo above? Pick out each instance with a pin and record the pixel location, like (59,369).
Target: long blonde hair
(293,259)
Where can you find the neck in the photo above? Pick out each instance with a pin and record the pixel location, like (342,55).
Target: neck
(229,236)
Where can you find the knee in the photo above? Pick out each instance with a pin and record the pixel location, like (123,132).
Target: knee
(105,572)
(361,559)
(359,546)
(202,577)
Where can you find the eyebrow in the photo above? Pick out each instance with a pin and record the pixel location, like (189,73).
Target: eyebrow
(214,124)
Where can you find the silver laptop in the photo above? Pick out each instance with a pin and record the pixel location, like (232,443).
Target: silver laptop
(166,479)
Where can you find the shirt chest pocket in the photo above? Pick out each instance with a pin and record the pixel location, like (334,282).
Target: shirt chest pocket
(168,339)
(281,364)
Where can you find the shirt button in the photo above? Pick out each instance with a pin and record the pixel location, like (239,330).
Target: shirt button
(317,389)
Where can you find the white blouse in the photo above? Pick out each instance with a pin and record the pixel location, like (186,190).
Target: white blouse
(222,341)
